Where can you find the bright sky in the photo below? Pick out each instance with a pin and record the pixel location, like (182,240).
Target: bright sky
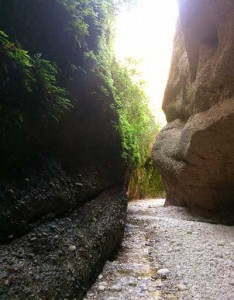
(146,33)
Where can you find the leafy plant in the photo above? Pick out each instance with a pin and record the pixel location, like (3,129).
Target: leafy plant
(52,98)
(146,182)
(25,80)
(28,91)
(85,65)
(138,129)
(136,125)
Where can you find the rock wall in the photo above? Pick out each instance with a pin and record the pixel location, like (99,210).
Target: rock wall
(54,167)
(195,150)
(61,258)
(62,201)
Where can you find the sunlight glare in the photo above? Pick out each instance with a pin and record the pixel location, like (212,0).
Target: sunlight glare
(146,33)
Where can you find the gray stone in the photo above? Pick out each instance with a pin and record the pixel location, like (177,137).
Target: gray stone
(101,288)
(72,248)
(116,288)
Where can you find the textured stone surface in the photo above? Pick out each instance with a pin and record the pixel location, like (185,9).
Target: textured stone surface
(195,151)
(198,255)
(62,257)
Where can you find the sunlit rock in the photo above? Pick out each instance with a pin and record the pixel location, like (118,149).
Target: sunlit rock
(195,151)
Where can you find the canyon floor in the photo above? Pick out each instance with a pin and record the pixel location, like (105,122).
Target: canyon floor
(167,253)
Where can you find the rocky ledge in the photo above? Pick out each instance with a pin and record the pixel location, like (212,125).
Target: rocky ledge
(61,258)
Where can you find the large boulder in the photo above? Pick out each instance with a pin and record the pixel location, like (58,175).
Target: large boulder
(195,150)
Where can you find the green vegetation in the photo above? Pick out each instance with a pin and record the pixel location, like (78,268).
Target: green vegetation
(76,64)
(138,129)
(28,91)
(28,85)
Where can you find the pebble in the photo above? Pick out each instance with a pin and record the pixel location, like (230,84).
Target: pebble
(101,288)
(163,272)
(154,277)
(116,288)
(131,276)
(6,282)
(103,283)
(132,282)
(151,289)
(72,248)
(170,297)
(182,287)
(33,239)
(121,222)
(159,284)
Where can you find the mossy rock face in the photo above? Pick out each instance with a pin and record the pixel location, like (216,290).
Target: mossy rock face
(50,169)
(47,168)
(83,136)
(61,258)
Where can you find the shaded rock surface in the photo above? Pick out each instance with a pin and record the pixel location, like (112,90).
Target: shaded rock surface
(53,161)
(43,193)
(50,168)
(60,258)
(194,152)
(169,254)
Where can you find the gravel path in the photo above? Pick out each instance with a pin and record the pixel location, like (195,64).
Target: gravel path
(169,254)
